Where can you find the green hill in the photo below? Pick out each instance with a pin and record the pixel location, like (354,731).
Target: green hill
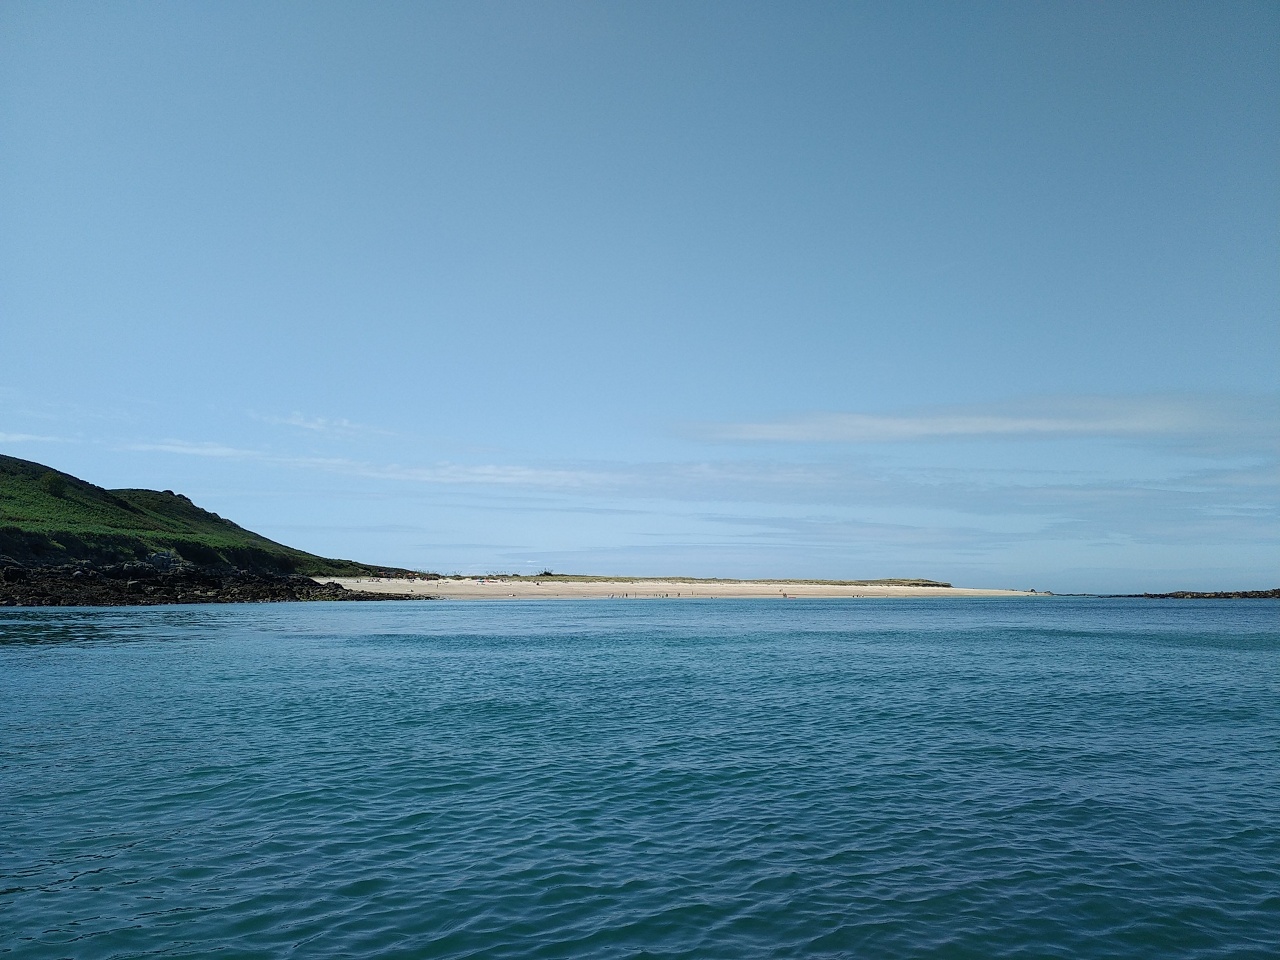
(48,517)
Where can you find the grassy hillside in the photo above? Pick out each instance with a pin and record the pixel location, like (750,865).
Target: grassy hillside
(49,517)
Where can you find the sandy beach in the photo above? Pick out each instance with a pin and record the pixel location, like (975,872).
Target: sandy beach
(564,589)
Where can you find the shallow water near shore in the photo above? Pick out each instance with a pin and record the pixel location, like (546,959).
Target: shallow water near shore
(828,778)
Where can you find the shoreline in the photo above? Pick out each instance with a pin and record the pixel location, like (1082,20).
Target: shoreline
(673,588)
(138,584)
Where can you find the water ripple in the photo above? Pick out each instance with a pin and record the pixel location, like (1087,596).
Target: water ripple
(814,779)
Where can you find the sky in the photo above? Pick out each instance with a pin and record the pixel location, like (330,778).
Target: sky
(986,293)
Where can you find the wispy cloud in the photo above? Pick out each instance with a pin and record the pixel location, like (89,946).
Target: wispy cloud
(30,438)
(439,473)
(467,474)
(1219,490)
(189,449)
(340,427)
(1153,417)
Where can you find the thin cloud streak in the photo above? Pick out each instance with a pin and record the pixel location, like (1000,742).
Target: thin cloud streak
(188,449)
(443,473)
(1247,489)
(340,427)
(1074,417)
(30,438)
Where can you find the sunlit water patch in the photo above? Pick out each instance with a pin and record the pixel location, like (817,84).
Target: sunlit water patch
(621,779)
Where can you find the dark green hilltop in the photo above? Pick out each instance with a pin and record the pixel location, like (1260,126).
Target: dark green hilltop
(49,518)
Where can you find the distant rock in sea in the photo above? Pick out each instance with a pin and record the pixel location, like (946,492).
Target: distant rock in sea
(1215,595)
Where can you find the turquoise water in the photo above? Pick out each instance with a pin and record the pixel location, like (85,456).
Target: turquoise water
(968,778)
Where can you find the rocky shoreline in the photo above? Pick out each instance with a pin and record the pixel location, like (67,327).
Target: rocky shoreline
(137,583)
(1216,595)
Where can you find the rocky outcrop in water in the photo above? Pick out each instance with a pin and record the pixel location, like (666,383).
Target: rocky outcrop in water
(144,584)
(1217,595)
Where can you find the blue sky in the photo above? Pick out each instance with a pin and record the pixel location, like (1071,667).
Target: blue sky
(980,292)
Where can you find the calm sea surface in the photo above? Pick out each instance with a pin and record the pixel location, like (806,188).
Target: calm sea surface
(731,778)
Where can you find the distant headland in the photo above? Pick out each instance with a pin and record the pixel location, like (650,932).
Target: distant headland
(67,542)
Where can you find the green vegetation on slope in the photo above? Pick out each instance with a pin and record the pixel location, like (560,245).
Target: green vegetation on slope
(49,517)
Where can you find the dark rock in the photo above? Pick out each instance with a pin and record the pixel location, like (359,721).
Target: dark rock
(139,583)
(1217,595)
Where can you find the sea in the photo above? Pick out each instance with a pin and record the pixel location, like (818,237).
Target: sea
(985,778)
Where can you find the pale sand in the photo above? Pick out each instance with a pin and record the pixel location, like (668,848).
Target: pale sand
(498,589)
